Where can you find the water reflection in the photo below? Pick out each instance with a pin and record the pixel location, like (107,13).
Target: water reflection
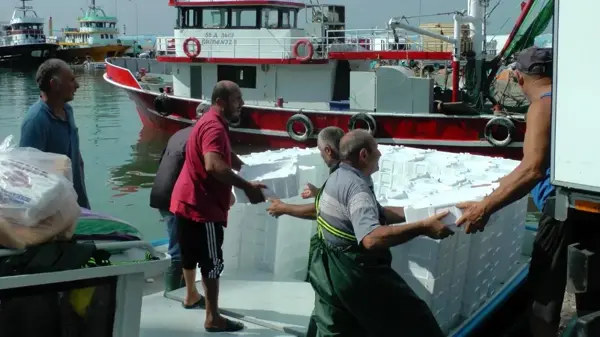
(139,171)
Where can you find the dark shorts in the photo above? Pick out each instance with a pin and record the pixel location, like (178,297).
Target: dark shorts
(201,246)
(548,269)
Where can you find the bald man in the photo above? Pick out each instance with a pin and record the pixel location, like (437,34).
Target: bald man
(201,199)
(357,293)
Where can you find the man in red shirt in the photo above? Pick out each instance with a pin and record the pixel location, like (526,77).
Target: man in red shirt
(201,201)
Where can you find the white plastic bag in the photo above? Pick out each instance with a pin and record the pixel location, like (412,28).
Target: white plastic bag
(35,186)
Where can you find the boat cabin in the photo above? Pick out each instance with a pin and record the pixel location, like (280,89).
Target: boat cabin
(95,29)
(312,62)
(25,27)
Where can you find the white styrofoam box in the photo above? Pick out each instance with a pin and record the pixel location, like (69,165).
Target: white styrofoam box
(280,177)
(293,240)
(454,276)
(427,267)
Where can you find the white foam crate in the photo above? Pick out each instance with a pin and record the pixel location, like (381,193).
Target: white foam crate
(453,276)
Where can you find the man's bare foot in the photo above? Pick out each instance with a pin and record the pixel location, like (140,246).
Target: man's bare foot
(221,324)
(194,301)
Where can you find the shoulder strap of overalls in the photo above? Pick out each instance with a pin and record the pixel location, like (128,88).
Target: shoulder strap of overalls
(322,224)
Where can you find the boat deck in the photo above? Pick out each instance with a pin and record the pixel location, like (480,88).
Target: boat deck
(270,307)
(164,317)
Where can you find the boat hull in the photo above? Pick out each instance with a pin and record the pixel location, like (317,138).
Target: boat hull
(27,55)
(96,53)
(266,126)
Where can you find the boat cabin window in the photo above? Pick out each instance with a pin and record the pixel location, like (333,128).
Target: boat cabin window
(215,18)
(237,17)
(244,18)
(273,18)
(244,76)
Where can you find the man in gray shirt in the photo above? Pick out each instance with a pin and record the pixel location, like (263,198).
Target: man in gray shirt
(357,291)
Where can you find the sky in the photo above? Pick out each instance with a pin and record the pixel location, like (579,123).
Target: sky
(155,17)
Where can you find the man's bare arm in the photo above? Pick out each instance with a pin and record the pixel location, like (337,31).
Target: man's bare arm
(306,211)
(384,237)
(218,168)
(236,162)
(394,214)
(535,160)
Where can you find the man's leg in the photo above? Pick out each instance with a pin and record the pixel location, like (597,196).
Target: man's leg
(174,274)
(211,266)
(189,234)
(548,275)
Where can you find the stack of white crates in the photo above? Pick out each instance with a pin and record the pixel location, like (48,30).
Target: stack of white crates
(454,276)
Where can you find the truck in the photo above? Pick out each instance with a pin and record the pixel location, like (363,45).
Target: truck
(575,144)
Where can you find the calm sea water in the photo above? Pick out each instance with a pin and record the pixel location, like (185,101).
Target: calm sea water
(120,156)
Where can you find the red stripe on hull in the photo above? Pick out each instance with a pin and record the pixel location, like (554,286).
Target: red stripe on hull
(267,126)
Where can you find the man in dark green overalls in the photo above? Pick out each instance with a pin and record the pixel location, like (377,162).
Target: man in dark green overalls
(357,293)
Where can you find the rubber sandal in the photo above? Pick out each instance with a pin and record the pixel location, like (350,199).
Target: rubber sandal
(230,326)
(199,304)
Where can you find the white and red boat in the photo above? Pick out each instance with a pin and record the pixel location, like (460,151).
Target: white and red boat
(296,81)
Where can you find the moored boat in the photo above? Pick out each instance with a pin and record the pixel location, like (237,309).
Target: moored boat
(22,39)
(298,81)
(94,40)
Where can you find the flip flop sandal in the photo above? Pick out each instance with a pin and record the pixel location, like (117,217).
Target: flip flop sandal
(230,326)
(199,304)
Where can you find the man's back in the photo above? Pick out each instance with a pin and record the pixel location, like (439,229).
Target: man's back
(42,130)
(348,204)
(170,165)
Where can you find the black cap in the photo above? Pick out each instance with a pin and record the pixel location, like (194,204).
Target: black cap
(534,61)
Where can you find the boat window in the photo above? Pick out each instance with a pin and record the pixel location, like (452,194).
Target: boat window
(270,18)
(215,18)
(244,18)
(244,76)
(189,17)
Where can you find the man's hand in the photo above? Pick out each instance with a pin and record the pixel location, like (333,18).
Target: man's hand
(277,208)
(474,216)
(435,229)
(232,199)
(310,191)
(254,192)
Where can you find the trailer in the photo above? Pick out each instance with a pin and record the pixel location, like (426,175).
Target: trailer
(575,159)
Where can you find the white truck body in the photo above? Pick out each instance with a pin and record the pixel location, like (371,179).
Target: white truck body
(575,142)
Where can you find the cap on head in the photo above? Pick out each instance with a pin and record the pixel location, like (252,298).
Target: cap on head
(535,61)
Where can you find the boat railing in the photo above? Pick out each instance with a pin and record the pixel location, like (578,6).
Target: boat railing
(225,46)
(136,64)
(383,40)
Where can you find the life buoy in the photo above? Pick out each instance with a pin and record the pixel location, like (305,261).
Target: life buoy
(235,122)
(186,47)
(162,105)
(310,50)
(308,127)
(502,122)
(365,118)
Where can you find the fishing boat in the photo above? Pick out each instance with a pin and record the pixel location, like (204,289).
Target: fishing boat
(96,38)
(297,81)
(22,39)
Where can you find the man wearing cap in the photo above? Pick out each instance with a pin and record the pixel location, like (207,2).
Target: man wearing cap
(548,270)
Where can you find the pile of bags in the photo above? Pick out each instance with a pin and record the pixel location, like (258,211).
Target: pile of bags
(37,200)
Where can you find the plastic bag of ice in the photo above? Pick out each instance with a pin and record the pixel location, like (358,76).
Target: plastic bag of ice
(34,185)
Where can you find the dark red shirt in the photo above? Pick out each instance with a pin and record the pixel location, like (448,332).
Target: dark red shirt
(197,195)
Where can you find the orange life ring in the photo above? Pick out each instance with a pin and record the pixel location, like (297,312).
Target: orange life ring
(186,49)
(310,50)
